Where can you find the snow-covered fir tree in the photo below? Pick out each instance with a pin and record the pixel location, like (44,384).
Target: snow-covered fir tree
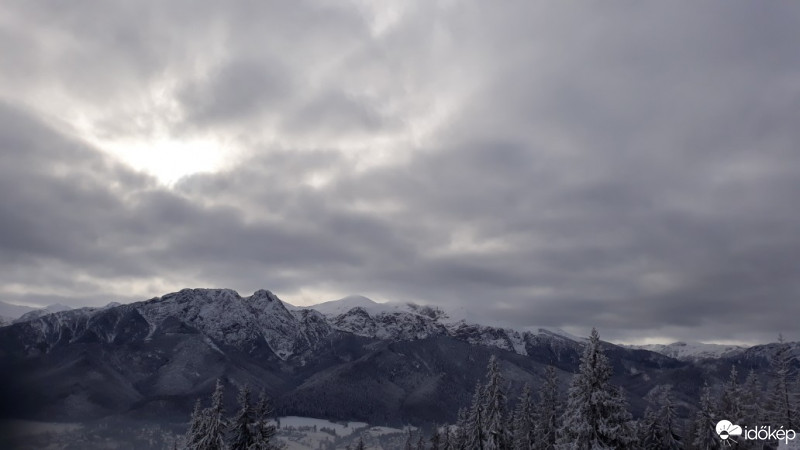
(213,424)
(436,439)
(596,415)
(781,403)
(547,412)
(659,428)
(475,431)
(264,430)
(421,442)
(495,408)
(409,441)
(730,403)
(447,438)
(460,432)
(194,433)
(752,398)
(705,422)
(524,425)
(242,436)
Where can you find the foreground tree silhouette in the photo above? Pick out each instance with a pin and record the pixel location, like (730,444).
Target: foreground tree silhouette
(495,408)
(547,412)
(264,431)
(243,437)
(251,429)
(207,427)
(524,425)
(780,401)
(596,415)
(705,437)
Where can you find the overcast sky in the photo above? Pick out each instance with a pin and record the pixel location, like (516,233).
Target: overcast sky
(628,165)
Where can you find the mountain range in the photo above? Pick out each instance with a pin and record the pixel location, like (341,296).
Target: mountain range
(351,359)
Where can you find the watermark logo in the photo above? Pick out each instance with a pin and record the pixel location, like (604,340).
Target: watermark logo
(725,429)
(728,431)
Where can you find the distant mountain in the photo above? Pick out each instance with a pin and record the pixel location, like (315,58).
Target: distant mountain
(36,313)
(351,359)
(9,312)
(693,351)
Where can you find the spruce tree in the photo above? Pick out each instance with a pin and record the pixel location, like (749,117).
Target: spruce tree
(264,430)
(421,442)
(668,420)
(547,412)
(752,413)
(194,434)
(781,402)
(475,432)
(494,408)
(460,432)
(409,445)
(731,399)
(436,439)
(360,445)
(596,415)
(705,437)
(447,438)
(214,424)
(524,425)
(242,435)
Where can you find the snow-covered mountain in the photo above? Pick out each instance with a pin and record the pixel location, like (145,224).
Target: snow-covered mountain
(10,312)
(36,313)
(693,351)
(362,316)
(347,359)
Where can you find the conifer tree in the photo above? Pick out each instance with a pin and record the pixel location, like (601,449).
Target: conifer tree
(475,432)
(360,445)
(781,402)
(194,434)
(705,437)
(752,412)
(214,424)
(596,415)
(524,425)
(420,442)
(666,420)
(547,412)
(460,432)
(243,438)
(494,408)
(447,438)
(264,430)
(436,439)
(731,399)
(409,445)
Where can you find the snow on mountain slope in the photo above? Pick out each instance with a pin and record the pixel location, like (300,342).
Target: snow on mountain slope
(407,321)
(11,311)
(691,351)
(35,314)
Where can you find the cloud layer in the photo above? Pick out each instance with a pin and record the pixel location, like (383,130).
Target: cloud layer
(629,166)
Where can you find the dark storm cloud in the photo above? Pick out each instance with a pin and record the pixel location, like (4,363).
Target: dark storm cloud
(630,166)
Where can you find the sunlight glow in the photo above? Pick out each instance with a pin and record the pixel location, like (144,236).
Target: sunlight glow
(170,159)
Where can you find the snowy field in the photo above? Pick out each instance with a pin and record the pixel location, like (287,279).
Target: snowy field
(306,433)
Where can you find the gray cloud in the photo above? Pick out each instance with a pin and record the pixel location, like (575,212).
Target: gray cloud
(622,166)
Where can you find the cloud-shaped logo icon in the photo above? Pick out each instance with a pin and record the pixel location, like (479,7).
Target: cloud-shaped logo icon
(726,429)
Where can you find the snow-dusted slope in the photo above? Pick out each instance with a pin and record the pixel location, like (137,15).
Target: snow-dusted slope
(407,321)
(692,351)
(35,314)
(221,315)
(9,312)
